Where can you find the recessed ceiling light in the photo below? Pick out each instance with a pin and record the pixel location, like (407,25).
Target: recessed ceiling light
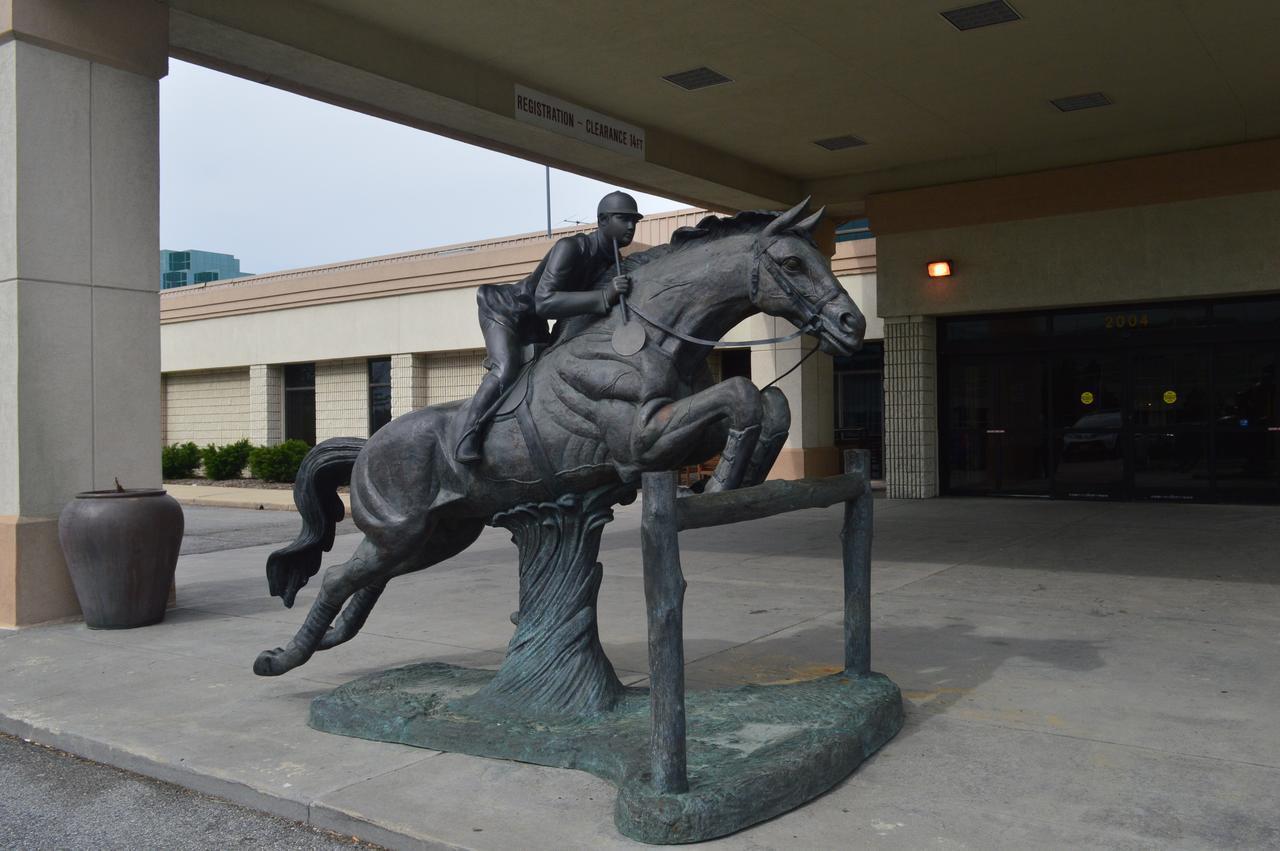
(840,143)
(1086,101)
(697,78)
(981,15)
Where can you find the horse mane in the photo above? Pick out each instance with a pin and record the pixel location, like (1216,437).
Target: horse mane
(711,227)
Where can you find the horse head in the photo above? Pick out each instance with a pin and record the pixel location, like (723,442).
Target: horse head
(792,278)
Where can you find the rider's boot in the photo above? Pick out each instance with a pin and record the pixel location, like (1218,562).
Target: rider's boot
(733,459)
(470,448)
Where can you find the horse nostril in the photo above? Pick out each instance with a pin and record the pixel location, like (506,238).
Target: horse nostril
(849,323)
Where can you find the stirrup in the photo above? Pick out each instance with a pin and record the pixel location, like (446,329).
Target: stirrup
(477,456)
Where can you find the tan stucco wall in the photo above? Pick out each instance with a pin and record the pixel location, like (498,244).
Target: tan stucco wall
(862,289)
(421,322)
(1190,249)
(206,407)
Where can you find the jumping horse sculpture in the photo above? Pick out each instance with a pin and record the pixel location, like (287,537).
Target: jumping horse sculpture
(615,399)
(590,418)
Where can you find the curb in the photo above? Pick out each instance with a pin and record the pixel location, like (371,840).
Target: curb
(314,813)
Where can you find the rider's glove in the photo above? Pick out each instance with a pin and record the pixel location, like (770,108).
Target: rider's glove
(617,288)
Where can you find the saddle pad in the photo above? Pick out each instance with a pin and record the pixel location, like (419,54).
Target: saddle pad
(509,401)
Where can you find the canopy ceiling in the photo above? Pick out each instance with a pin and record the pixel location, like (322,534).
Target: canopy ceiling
(934,104)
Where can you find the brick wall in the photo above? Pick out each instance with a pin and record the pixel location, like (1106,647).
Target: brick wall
(206,407)
(342,398)
(453,375)
(266,399)
(910,407)
(408,383)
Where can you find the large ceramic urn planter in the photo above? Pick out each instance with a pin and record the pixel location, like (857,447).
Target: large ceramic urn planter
(121,549)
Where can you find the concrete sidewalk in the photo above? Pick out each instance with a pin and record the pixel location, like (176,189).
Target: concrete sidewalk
(1078,675)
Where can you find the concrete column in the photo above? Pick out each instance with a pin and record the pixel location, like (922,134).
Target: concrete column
(910,407)
(266,404)
(810,449)
(408,383)
(79,309)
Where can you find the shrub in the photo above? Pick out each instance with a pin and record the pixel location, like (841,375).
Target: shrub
(278,463)
(180,460)
(225,462)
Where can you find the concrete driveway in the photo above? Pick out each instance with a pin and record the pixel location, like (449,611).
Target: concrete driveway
(1077,675)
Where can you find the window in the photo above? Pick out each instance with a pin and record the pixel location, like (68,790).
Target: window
(300,402)
(174,279)
(379,393)
(859,398)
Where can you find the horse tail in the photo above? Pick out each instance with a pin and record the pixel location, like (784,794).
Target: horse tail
(315,492)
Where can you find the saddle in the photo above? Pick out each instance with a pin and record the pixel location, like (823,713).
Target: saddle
(513,403)
(514,395)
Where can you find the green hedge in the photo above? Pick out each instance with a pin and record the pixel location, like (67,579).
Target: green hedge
(180,460)
(225,462)
(278,463)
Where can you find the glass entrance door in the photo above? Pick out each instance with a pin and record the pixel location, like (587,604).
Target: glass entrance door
(1132,424)
(1177,401)
(1169,423)
(996,410)
(1089,434)
(1246,428)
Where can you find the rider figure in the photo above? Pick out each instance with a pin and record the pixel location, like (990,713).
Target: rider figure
(513,316)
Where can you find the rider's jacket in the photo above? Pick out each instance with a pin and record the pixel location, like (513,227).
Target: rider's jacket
(561,286)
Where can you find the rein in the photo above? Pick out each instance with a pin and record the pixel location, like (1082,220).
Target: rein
(812,311)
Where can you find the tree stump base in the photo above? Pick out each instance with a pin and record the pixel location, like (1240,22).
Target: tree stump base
(555,665)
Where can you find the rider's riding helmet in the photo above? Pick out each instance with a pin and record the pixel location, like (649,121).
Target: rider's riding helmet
(618,202)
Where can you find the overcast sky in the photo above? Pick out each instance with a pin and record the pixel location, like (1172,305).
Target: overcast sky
(282,181)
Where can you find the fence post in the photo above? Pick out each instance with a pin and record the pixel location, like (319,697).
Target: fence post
(856,538)
(664,600)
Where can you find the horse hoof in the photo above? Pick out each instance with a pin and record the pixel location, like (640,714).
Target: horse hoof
(267,664)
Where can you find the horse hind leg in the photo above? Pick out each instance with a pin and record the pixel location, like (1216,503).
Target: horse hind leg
(367,566)
(447,541)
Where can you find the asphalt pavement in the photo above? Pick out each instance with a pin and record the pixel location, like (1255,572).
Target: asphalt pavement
(51,799)
(210,530)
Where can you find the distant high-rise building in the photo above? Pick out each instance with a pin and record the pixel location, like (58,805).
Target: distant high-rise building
(180,268)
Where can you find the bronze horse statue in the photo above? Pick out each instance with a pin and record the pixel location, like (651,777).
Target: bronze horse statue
(585,417)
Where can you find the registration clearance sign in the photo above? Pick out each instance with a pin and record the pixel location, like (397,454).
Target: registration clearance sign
(578,122)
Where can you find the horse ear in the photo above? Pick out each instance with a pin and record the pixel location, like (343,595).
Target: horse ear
(786,221)
(807,226)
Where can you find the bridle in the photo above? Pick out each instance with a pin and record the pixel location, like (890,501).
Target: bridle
(810,310)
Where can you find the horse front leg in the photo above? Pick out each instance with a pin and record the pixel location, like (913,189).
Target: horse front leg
(774,428)
(667,434)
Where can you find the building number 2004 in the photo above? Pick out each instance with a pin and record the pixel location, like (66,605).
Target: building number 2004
(1120,321)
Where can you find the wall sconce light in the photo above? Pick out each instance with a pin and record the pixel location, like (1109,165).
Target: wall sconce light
(940,269)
